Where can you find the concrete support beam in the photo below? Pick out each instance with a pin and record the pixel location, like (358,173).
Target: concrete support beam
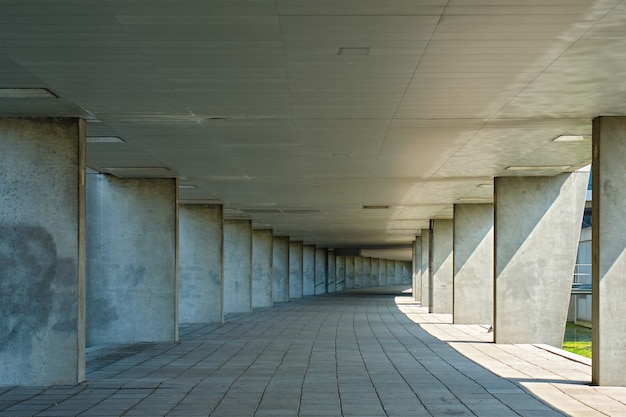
(237,266)
(382,273)
(341,273)
(358,272)
(132,260)
(417,269)
(609,251)
(425,270)
(280,292)
(201,264)
(295,269)
(42,251)
(375,272)
(473,264)
(262,268)
(308,270)
(350,277)
(442,271)
(320,271)
(331,268)
(537,228)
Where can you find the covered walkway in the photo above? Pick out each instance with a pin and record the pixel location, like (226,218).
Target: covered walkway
(371,352)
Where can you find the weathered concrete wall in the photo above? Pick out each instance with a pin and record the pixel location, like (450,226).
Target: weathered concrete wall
(237,266)
(308,270)
(426,233)
(341,273)
(473,264)
(295,269)
(609,251)
(320,271)
(262,268)
(382,273)
(442,267)
(280,292)
(132,260)
(42,251)
(537,226)
(375,272)
(407,273)
(349,272)
(391,272)
(201,263)
(367,272)
(358,272)
(417,269)
(399,272)
(331,286)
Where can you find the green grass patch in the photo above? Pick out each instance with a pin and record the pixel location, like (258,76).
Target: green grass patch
(579,348)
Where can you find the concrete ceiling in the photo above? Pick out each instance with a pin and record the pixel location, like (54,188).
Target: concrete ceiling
(297,113)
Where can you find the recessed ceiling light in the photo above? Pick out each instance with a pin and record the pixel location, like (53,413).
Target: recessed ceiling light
(26,93)
(375,207)
(569,138)
(539,168)
(104,139)
(190,186)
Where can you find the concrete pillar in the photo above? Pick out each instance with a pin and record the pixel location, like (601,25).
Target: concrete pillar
(201,263)
(42,251)
(473,264)
(132,260)
(320,271)
(441,273)
(375,272)
(331,269)
(349,272)
(308,270)
(358,272)
(382,273)
(262,268)
(237,266)
(537,228)
(425,270)
(367,272)
(391,272)
(280,292)
(341,273)
(407,274)
(417,269)
(295,269)
(609,251)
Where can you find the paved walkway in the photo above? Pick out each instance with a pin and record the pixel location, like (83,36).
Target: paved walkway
(359,354)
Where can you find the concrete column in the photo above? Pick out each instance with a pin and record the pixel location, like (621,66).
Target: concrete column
(42,251)
(375,272)
(425,272)
(441,273)
(320,271)
(132,260)
(417,269)
(367,272)
(358,272)
(382,273)
(201,263)
(308,270)
(537,227)
(331,269)
(280,292)
(609,251)
(341,273)
(349,272)
(262,268)
(407,274)
(237,266)
(473,264)
(391,272)
(295,269)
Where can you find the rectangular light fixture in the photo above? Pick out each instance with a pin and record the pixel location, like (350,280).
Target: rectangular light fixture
(569,138)
(375,207)
(26,93)
(189,187)
(104,139)
(539,168)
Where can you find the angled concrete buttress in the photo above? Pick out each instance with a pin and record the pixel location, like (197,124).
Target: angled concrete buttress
(473,264)
(132,260)
(425,270)
(331,272)
(308,270)
(280,292)
(295,269)
(537,229)
(262,268)
(42,251)
(320,271)
(237,266)
(441,272)
(609,251)
(201,263)
(417,268)
(349,272)
(340,273)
